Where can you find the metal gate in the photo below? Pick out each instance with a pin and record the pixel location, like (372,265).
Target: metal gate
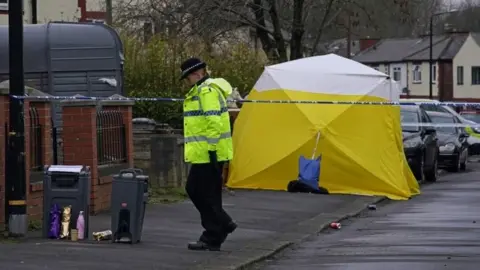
(57,143)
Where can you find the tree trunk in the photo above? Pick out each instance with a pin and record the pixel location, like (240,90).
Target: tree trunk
(296,48)
(259,13)
(277,32)
(318,38)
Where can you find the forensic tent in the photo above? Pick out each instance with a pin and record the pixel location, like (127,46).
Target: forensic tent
(361,145)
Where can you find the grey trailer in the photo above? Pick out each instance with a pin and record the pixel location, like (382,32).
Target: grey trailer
(66,59)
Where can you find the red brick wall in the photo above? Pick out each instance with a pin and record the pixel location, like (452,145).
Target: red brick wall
(102,191)
(80,147)
(35,190)
(80,141)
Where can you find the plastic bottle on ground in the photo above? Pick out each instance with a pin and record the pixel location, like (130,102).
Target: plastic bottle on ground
(81,226)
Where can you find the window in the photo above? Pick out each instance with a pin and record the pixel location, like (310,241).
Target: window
(387,69)
(447,121)
(434,73)
(3,4)
(397,73)
(475,75)
(417,73)
(425,117)
(434,108)
(459,75)
(409,119)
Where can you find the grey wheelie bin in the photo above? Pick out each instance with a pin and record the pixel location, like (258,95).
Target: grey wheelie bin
(66,185)
(129,198)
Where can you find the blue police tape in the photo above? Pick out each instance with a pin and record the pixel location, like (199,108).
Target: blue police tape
(325,102)
(413,124)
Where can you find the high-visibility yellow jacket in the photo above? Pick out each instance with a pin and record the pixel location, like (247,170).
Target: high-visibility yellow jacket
(206,122)
(471,132)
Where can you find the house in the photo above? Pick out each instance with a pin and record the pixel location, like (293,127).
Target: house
(455,70)
(43,11)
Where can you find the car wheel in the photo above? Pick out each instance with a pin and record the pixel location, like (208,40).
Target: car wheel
(456,164)
(419,171)
(432,175)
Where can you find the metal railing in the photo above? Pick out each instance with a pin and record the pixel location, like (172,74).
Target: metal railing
(35,136)
(111,138)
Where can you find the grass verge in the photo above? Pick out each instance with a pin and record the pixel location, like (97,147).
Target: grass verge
(167,195)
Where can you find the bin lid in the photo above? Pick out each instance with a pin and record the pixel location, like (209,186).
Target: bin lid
(140,177)
(66,168)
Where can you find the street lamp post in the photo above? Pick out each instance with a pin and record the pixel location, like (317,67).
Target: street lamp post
(430,93)
(16,189)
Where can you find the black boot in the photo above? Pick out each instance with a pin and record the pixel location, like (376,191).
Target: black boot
(231,227)
(199,245)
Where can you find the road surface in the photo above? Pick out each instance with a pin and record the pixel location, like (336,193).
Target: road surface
(439,229)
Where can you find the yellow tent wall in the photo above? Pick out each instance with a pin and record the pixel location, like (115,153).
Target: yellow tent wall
(362,153)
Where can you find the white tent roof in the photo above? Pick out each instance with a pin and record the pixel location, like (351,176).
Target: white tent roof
(328,74)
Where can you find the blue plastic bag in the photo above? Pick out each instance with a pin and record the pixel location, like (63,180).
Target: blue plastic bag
(309,171)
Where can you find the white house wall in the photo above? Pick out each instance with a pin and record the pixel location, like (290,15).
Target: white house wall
(421,88)
(389,69)
(468,56)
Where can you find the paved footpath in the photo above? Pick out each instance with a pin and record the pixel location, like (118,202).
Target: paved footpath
(268,221)
(439,229)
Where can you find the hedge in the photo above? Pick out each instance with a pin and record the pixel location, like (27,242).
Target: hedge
(152,70)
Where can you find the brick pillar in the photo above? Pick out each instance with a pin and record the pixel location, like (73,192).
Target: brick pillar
(35,178)
(4,110)
(126,108)
(80,137)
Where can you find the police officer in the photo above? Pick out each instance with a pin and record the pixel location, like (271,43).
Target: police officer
(208,144)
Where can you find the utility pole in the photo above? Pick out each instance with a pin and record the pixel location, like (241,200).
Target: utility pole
(430,59)
(109,12)
(15,180)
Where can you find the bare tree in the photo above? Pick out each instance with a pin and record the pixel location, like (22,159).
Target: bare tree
(286,29)
(465,18)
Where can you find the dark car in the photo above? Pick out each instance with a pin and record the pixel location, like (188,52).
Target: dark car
(473,131)
(452,141)
(420,143)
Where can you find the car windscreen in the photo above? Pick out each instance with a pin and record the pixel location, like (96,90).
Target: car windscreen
(445,120)
(472,117)
(408,120)
(432,107)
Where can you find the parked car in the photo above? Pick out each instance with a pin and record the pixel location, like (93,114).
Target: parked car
(420,143)
(473,131)
(433,106)
(452,141)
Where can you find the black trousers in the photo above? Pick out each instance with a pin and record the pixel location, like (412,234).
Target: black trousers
(204,187)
